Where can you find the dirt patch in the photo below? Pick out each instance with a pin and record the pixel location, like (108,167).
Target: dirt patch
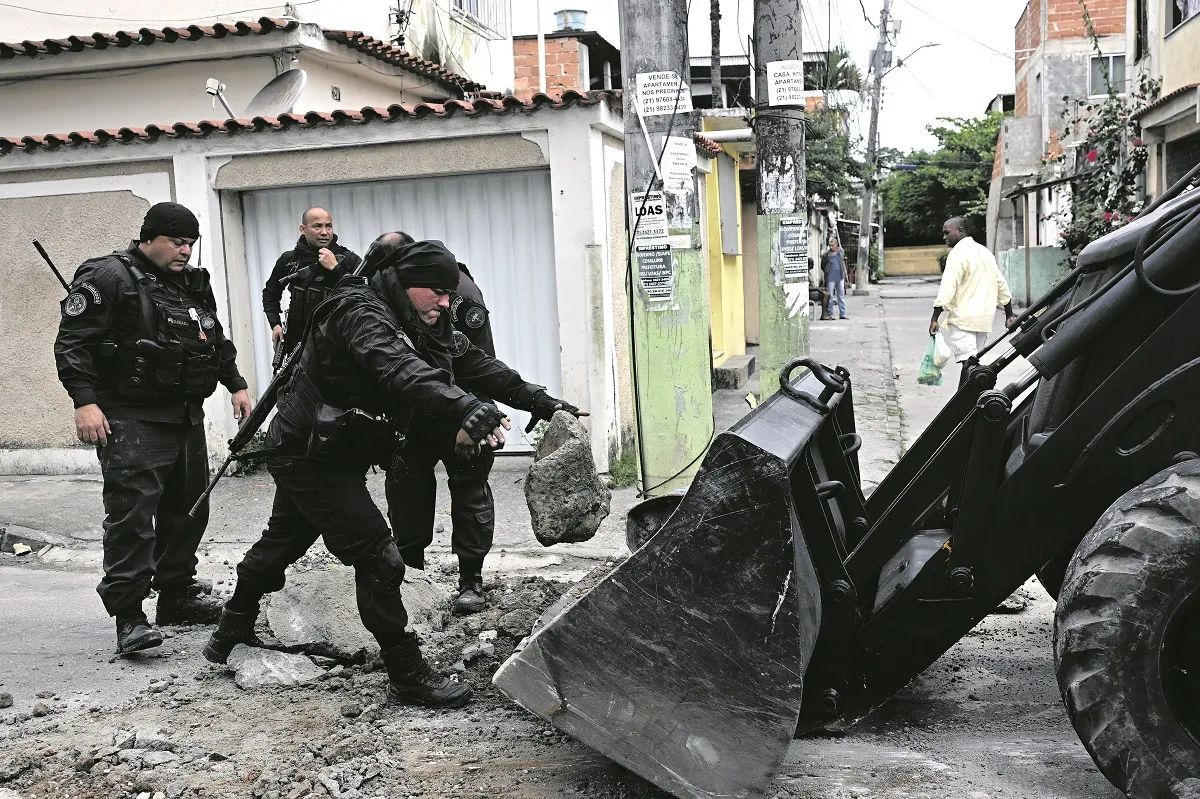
(196,734)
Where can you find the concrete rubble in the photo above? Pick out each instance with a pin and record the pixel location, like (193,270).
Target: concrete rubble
(317,612)
(567,500)
(266,668)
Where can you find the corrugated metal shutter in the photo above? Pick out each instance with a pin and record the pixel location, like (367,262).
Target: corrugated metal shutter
(500,225)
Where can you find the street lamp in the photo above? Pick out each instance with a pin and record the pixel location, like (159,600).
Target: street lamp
(900,61)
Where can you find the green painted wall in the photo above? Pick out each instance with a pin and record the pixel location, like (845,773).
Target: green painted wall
(1047,265)
(782,310)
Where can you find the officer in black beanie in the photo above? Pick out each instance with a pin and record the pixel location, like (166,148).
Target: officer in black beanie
(139,349)
(374,366)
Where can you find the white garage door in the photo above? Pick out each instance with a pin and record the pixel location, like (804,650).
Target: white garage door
(499,225)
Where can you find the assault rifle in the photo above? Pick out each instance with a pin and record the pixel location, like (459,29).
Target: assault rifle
(37,245)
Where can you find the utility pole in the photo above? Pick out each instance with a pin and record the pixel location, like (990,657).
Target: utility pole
(718,92)
(667,286)
(782,194)
(868,197)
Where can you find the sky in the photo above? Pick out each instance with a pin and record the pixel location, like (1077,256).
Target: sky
(972,63)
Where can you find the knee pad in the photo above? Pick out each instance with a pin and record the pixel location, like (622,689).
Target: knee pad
(386,567)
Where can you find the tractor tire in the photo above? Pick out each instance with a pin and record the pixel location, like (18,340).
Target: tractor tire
(1127,638)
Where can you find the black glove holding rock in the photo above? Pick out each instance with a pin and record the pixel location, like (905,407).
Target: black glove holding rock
(544,407)
(481,420)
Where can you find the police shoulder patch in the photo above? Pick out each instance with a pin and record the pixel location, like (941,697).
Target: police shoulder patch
(460,343)
(90,289)
(75,304)
(476,317)
(208,323)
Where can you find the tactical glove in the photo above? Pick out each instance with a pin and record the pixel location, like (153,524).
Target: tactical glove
(481,420)
(544,407)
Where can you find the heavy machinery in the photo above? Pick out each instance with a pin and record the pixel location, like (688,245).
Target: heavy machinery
(776,599)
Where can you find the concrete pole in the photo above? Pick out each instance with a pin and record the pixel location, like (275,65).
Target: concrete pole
(782,197)
(714,16)
(668,289)
(864,225)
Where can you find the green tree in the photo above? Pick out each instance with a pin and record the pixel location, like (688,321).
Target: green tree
(835,73)
(831,164)
(924,188)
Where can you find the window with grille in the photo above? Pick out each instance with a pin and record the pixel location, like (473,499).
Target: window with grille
(489,17)
(1180,11)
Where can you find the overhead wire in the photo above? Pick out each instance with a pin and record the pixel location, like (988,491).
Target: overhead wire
(950,27)
(109,18)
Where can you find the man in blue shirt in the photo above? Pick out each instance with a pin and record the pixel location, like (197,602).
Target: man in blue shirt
(833,268)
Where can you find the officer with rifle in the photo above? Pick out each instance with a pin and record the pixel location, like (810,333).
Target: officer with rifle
(139,348)
(308,271)
(371,359)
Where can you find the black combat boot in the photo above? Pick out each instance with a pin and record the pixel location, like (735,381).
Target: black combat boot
(414,682)
(235,628)
(189,605)
(470,589)
(135,633)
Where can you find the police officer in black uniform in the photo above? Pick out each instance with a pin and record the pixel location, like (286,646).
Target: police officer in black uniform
(308,272)
(139,348)
(373,359)
(412,492)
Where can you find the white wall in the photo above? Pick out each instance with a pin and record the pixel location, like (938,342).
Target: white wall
(358,88)
(160,95)
(74,17)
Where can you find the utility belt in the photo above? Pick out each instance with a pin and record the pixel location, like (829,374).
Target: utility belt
(338,434)
(146,370)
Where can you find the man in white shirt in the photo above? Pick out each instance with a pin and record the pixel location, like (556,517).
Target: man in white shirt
(972,287)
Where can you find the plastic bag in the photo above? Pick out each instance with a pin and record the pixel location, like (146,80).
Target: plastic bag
(929,374)
(942,354)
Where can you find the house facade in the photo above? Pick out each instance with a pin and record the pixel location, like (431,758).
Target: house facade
(1059,69)
(1166,44)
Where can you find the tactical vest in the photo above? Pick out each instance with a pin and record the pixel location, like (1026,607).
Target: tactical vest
(173,352)
(305,294)
(333,433)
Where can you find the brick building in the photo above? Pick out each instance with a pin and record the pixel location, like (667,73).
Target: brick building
(576,60)
(1057,70)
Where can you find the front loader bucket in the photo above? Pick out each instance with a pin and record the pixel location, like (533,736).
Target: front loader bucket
(686,663)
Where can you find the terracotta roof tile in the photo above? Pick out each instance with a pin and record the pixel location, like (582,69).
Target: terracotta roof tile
(314,119)
(143,36)
(1166,98)
(391,54)
(706,145)
(355,40)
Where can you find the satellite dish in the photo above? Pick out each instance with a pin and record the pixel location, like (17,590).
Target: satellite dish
(278,96)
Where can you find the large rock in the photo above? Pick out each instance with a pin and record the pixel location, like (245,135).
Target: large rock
(267,668)
(566,498)
(317,611)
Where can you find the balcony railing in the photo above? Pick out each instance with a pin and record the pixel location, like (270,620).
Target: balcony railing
(488,17)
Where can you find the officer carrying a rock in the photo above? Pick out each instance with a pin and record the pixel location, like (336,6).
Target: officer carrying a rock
(308,272)
(139,348)
(375,361)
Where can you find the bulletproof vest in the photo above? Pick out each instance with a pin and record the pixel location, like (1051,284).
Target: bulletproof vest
(343,427)
(306,292)
(172,354)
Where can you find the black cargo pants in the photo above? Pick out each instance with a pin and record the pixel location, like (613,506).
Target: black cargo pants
(412,498)
(153,473)
(330,501)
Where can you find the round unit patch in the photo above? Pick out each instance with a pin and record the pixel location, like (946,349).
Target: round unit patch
(75,305)
(459,344)
(476,317)
(208,323)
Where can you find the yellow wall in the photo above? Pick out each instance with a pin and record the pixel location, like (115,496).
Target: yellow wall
(728,304)
(1180,64)
(912,260)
